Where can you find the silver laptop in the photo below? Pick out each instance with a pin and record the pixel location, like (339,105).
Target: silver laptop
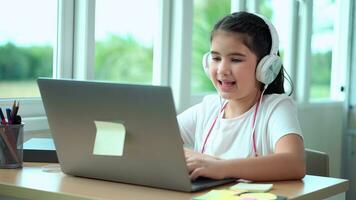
(118,132)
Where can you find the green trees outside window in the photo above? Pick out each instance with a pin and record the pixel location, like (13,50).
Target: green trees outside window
(20,66)
(124,58)
(206,14)
(27,32)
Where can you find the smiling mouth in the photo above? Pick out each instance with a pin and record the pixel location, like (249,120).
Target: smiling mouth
(227,83)
(227,86)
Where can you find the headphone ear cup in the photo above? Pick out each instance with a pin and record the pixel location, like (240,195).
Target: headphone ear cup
(268,69)
(205,63)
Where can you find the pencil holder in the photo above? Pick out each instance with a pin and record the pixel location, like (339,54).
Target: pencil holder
(11,145)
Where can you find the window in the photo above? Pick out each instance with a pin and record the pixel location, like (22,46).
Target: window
(323,39)
(124,34)
(206,14)
(27,34)
(277,12)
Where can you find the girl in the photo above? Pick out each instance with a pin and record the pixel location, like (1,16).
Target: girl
(250,130)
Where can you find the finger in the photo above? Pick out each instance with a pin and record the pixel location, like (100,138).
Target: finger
(186,150)
(192,165)
(196,160)
(187,153)
(190,159)
(195,173)
(187,156)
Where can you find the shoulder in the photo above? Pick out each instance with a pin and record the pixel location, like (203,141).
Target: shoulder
(273,101)
(278,104)
(281,117)
(277,97)
(209,103)
(212,102)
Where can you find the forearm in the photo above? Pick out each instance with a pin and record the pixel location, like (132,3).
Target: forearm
(279,166)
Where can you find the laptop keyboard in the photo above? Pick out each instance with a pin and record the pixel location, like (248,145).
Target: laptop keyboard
(203,182)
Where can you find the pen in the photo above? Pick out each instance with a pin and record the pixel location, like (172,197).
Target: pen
(16,119)
(3,121)
(13,105)
(17,107)
(8,113)
(12,114)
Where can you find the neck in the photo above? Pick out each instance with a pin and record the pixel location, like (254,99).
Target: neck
(237,107)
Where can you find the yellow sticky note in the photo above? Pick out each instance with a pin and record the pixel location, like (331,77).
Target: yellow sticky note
(218,195)
(109,138)
(238,192)
(258,196)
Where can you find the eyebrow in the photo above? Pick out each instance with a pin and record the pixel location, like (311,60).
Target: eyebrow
(231,54)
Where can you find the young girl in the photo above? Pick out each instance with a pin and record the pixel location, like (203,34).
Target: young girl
(250,130)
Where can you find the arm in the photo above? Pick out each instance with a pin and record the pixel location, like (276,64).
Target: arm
(187,125)
(285,164)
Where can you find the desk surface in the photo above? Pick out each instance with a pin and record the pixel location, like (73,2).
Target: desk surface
(40,181)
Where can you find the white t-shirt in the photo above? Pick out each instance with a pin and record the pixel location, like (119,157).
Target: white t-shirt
(232,138)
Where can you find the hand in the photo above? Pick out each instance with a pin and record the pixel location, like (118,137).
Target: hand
(190,153)
(199,164)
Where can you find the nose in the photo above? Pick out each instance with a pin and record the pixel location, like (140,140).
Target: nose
(224,67)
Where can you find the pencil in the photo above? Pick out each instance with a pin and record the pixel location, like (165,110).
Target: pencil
(14,105)
(12,114)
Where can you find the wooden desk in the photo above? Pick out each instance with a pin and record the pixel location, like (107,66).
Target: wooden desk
(33,182)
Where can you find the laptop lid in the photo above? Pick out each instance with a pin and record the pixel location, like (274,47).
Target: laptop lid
(81,114)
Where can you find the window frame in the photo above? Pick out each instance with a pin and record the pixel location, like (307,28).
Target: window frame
(341,67)
(32,110)
(172,51)
(351,78)
(303,69)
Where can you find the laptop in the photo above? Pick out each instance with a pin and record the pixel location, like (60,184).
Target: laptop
(118,132)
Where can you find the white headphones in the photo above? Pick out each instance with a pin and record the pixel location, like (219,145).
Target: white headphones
(268,67)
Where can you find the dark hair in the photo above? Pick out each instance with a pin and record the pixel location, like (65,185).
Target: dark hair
(256,36)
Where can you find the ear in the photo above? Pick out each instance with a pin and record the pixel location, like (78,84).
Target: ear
(205,63)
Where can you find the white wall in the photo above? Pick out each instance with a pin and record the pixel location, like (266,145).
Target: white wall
(322,126)
(351,156)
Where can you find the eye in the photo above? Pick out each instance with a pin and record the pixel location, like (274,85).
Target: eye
(215,58)
(235,60)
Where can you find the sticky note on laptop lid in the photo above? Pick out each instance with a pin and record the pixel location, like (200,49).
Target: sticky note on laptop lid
(252,187)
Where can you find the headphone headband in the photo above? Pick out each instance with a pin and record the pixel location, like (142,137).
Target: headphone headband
(274,34)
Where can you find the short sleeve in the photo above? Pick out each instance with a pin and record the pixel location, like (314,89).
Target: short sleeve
(283,121)
(187,122)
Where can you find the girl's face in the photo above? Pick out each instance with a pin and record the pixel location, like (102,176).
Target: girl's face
(232,67)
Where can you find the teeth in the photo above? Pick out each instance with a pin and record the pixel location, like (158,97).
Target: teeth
(229,83)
